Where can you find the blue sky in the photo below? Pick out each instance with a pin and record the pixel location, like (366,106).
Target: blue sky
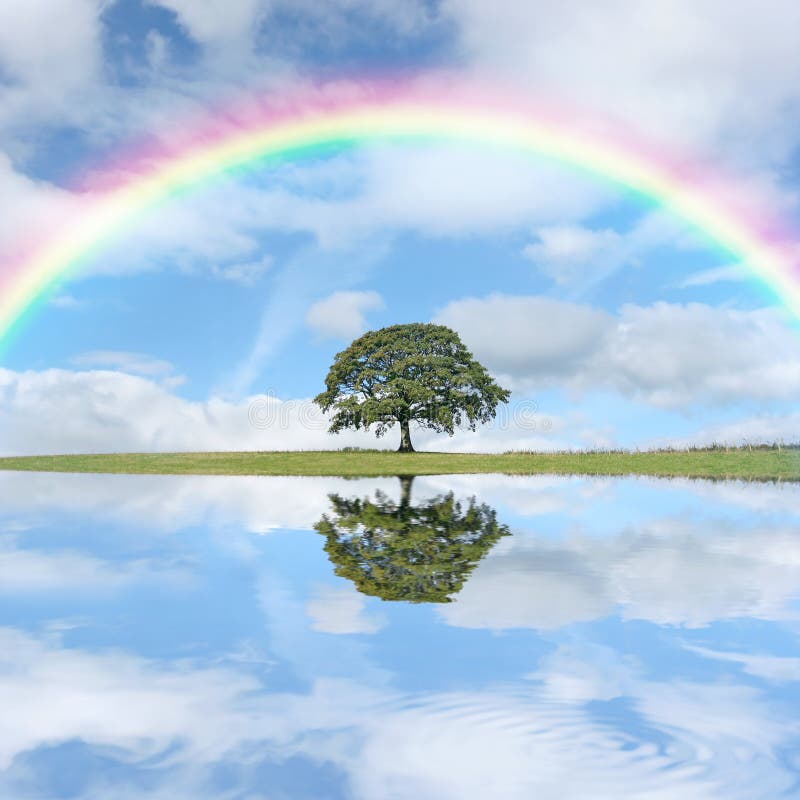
(614,319)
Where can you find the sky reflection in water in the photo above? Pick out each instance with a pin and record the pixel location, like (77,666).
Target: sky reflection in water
(204,637)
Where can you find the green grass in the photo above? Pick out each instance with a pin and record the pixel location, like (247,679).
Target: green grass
(765,462)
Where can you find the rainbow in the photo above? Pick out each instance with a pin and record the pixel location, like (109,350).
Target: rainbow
(712,206)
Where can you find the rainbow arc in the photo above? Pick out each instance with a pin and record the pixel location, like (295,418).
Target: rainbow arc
(750,237)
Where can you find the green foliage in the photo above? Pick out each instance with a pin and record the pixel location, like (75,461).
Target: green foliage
(419,373)
(400,551)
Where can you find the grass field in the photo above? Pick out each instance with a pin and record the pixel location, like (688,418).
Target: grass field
(766,462)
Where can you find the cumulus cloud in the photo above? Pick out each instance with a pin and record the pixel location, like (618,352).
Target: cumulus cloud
(706,75)
(342,314)
(167,503)
(30,204)
(215,22)
(573,253)
(28,570)
(62,411)
(562,249)
(438,190)
(182,721)
(335,22)
(48,51)
(261,504)
(347,201)
(668,572)
(344,204)
(578,255)
(498,737)
(214,232)
(341,610)
(76,687)
(447,190)
(528,337)
(649,353)
(190,719)
(207,233)
(444,190)
(100,411)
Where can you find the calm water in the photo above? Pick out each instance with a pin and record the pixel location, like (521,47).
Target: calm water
(459,637)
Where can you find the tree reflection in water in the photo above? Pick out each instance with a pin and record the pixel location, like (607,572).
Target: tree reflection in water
(422,553)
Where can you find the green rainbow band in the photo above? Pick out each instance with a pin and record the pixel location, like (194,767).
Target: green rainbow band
(653,178)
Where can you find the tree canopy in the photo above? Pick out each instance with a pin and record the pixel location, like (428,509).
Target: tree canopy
(401,551)
(418,372)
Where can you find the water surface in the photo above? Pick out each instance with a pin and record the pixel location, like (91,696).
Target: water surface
(454,637)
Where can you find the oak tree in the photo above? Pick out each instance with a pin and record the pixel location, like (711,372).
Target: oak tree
(418,373)
(418,552)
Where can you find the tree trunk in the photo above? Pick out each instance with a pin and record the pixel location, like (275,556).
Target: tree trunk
(405,438)
(405,491)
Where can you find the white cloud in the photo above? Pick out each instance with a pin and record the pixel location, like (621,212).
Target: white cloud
(528,337)
(246,274)
(341,610)
(765,427)
(347,201)
(66,301)
(667,572)
(580,673)
(216,22)
(343,203)
(202,234)
(764,498)
(708,75)
(157,50)
(210,231)
(650,353)
(190,718)
(62,411)
(561,250)
(168,503)
(30,206)
(261,504)
(707,277)
(49,50)
(479,744)
(573,253)
(40,570)
(773,668)
(341,314)
(68,694)
(674,355)
(345,22)
(452,190)
(101,411)
(444,190)
(136,363)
